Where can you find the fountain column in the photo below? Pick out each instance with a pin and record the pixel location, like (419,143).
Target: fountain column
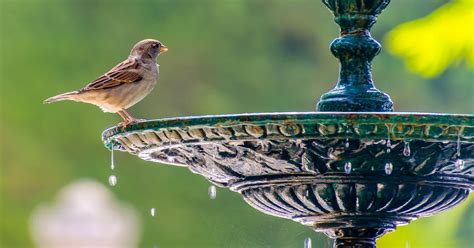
(355,49)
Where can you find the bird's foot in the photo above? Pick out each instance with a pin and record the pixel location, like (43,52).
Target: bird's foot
(125,124)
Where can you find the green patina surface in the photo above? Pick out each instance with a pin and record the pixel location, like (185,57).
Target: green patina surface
(466,122)
(355,49)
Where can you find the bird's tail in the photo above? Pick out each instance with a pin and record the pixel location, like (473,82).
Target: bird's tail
(61,97)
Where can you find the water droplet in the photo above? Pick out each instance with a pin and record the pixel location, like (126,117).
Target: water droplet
(388,168)
(347,143)
(152,212)
(407,245)
(306,193)
(406,149)
(459,164)
(348,167)
(112,160)
(307,242)
(388,143)
(458,146)
(112,180)
(212,192)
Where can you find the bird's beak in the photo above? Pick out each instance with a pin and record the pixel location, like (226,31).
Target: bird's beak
(163,49)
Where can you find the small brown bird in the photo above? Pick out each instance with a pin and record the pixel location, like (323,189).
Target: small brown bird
(125,84)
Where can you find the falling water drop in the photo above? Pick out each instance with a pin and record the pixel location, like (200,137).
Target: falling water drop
(112,160)
(348,167)
(112,180)
(458,146)
(407,245)
(346,144)
(388,142)
(389,145)
(406,149)
(212,192)
(388,168)
(152,212)
(459,164)
(307,242)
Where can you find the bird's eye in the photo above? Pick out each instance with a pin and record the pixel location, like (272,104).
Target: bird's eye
(155,45)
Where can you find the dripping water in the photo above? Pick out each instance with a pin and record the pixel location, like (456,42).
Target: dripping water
(152,212)
(346,144)
(389,142)
(388,168)
(307,242)
(112,180)
(212,192)
(406,149)
(458,146)
(112,160)
(459,162)
(348,167)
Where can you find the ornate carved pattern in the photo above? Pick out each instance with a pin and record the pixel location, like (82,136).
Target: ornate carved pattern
(294,165)
(321,203)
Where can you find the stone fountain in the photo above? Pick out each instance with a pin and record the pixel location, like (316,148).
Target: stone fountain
(354,170)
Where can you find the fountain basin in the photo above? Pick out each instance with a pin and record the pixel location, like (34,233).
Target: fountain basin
(353,176)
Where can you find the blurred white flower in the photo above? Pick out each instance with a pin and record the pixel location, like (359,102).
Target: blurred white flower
(85,214)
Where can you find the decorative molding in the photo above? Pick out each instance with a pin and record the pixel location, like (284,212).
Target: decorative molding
(295,165)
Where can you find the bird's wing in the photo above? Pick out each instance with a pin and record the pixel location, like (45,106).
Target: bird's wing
(125,72)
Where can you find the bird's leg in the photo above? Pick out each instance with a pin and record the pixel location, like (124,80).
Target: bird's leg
(130,118)
(125,117)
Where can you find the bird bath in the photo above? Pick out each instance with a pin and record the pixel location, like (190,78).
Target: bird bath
(354,170)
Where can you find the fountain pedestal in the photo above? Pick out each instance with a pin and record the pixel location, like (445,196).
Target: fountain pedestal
(355,49)
(351,175)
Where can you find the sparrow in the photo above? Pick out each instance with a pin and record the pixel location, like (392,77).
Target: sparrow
(124,85)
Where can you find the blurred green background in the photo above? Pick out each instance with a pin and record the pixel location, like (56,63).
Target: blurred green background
(226,56)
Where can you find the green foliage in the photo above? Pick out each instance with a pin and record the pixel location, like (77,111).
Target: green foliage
(225,57)
(448,31)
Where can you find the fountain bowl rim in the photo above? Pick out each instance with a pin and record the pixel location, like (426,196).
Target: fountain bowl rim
(349,118)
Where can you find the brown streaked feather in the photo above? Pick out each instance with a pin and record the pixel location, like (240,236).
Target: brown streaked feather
(122,73)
